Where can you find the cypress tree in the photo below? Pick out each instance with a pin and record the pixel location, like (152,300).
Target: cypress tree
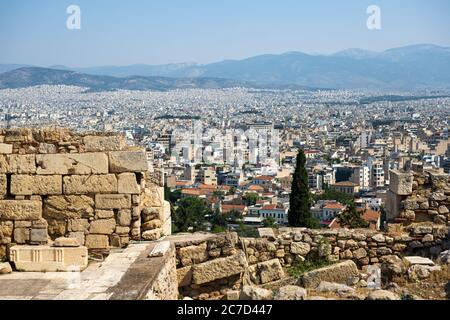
(300,201)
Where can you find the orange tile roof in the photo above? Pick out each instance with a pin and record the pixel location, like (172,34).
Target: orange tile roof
(255,187)
(269,207)
(334,205)
(230,207)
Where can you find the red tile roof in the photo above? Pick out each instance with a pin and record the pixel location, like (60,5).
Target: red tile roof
(334,205)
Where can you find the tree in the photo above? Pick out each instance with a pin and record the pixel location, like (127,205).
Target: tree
(171,196)
(269,222)
(300,201)
(351,218)
(191,214)
(251,198)
(330,194)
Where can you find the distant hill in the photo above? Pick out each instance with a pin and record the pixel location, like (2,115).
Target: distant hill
(33,76)
(422,66)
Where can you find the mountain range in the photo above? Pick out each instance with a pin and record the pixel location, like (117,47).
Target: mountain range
(423,66)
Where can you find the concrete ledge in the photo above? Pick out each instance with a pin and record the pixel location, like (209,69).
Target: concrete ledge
(49,259)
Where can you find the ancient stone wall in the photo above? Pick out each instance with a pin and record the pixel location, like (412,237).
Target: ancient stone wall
(92,187)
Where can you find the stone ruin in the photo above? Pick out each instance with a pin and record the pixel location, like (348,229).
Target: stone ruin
(90,187)
(226,266)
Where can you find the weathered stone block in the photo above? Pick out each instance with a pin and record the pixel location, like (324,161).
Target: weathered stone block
(26,185)
(66,242)
(6,148)
(400,182)
(127,183)
(113,201)
(104,214)
(122,230)
(338,273)
(193,254)
(49,259)
(57,228)
(79,164)
(78,225)
(269,271)
(90,184)
(219,268)
(21,235)
(393,205)
(95,241)
(150,235)
(20,210)
(68,207)
(3,185)
(104,143)
(80,236)
(184,276)
(18,163)
(124,217)
(102,226)
(301,248)
(128,161)
(38,236)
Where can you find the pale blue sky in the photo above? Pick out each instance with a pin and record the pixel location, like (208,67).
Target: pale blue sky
(119,32)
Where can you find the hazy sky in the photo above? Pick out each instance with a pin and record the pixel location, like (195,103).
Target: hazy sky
(119,32)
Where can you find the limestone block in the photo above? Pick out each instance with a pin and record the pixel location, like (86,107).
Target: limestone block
(5,268)
(393,205)
(78,225)
(5,148)
(184,276)
(269,271)
(26,185)
(127,183)
(400,182)
(79,164)
(102,226)
(338,273)
(122,230)
(266,233)
(48,259)
(301,248)
(124,217)
(21,235)
(56,228)
(39,224)
(95,241)
(38,236)
(113,201)
(219,268)
(80,236)
(151,235)
(104,143)
(68,207)
(193,254)
(3,185)
(128,161)
(66,242)
(20,210)
(6,229)
(18,163)
(153,197)
(90,184)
